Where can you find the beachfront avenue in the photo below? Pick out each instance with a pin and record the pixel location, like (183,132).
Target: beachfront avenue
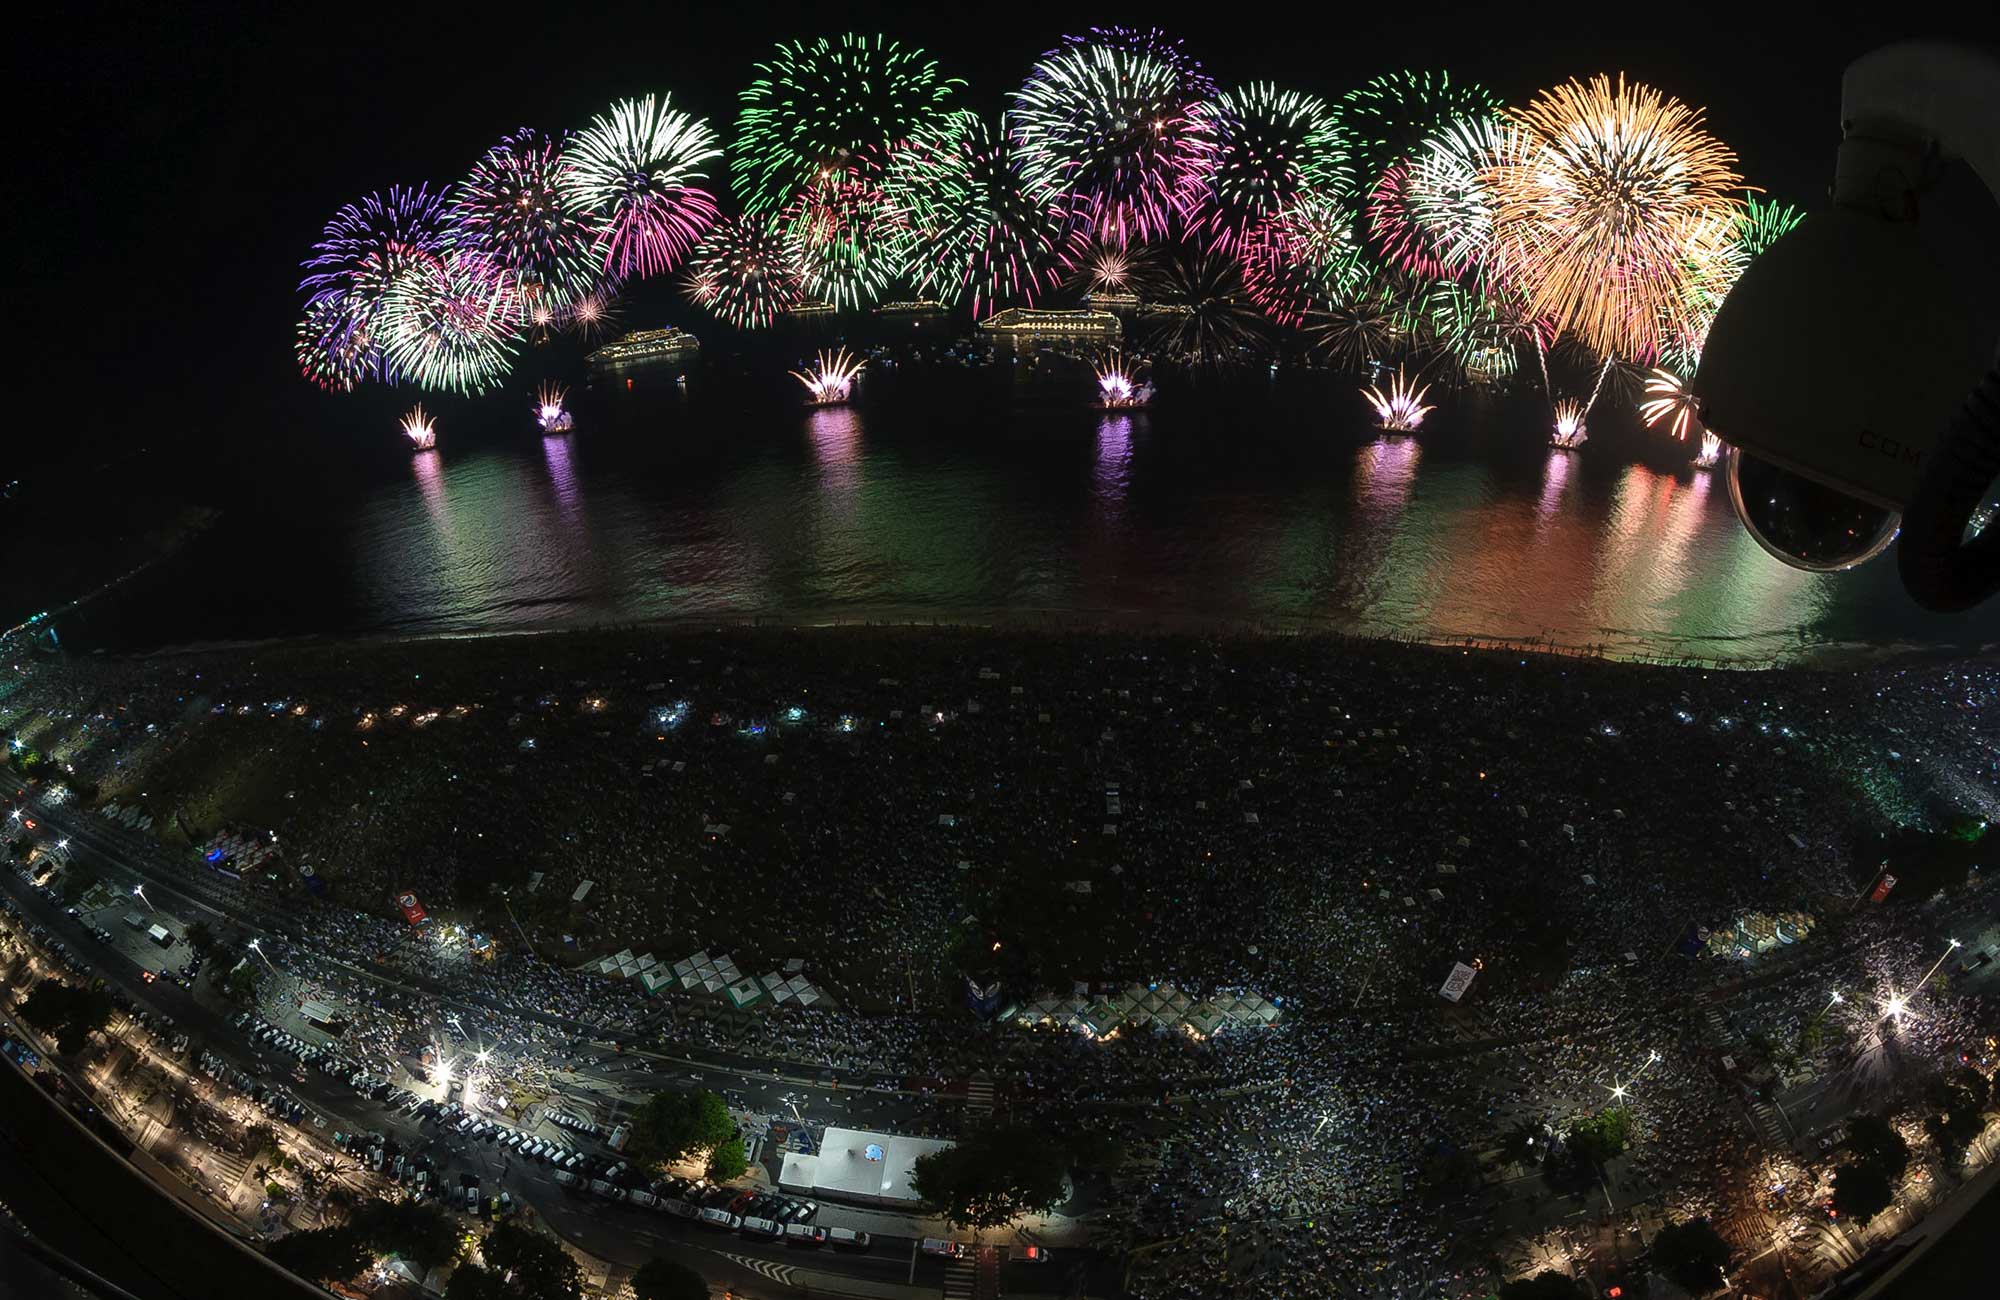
(1180,907)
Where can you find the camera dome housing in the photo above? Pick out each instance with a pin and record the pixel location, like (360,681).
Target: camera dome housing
(1803,522)
(1835,362)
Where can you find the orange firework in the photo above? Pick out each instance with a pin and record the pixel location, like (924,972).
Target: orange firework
(1607,197)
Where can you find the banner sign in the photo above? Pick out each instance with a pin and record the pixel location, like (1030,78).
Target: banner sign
(413,911)
(1458,982)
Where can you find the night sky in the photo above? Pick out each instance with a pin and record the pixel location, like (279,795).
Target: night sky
(179,165)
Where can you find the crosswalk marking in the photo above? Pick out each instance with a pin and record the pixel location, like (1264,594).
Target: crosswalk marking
(959,1279)
(776,1272)
(979,1094)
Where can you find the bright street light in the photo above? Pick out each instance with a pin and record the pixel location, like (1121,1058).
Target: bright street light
(1896,1005)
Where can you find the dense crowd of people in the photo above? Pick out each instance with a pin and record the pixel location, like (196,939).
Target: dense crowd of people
(1330,825)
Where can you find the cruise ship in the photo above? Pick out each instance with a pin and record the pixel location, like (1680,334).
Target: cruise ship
(645,347)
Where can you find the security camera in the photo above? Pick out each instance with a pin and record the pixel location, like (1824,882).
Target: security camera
(1838,367)
(1831,370)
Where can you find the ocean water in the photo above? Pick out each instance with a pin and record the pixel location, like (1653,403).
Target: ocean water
(977,494)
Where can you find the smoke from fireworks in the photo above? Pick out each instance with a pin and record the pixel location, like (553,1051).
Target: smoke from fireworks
(637,170)
(1401,409)
(550,413)
(419,428)
(1266,143)
(514,209)
(1111,136)
(959,188)
(1604,195)
(831,378)
(748,270)
(826,105)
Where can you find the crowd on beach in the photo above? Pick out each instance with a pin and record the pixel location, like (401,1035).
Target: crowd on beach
(1332,826)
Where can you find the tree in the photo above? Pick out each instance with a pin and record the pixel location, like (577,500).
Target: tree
(240,984)
(1543,1286)
(1861,1191)
(995,1175)
(68,1013)
(1693,1254)
(201,938)
(1597,1138)
(322,1255)
(1953,1117)
(1876,1142)
(471,1282)
(424,1234)
(675,1124)
(662,1279)
(535,1266)
(727,1162)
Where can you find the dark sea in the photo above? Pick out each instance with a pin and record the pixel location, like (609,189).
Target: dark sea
(973,493)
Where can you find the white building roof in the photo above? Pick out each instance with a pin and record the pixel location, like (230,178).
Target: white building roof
(873,1168)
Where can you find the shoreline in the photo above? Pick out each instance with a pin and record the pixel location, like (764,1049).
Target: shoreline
(1823,657)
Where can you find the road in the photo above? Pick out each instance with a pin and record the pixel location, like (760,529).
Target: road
(619,1234)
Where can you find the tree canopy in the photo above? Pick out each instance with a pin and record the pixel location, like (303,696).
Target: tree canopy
(995,1175)
(1693,1254)
(663,1279)
(727,1162)
(322,1255)
(1543,1286)
(68,1013)
(535,1266)
(1597,1138)
(424,1234)
(1875,1141)
(1862,1190)
(671,1125)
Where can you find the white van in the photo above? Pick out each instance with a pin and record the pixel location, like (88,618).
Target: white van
(848,1239)
(755,1227)
(723,1219)
(805,1234)
(940,1246)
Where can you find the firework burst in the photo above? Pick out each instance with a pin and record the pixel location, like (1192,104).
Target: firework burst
(830,381)
(1297,261)
(451,322)
(1570,431)
(959,189)
(359,254)
(1111,136)
(1200,311)
(1266,142)
(514,209)
(1711,451)
(747,270)
(637,171)
(1120,386)
(1667,399)
(1107,269)
(333,349)
(1401,409)
(1152,43)
(550,413)
(419,428)
(1604,195)
(852,241)
(1394,117)
(828,105)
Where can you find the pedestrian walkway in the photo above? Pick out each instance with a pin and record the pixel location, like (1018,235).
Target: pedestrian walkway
(960,1279)
(979,1095)
(1770,1125)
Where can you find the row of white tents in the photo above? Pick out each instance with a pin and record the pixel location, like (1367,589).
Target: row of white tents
(714,975)
(1160,1005)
